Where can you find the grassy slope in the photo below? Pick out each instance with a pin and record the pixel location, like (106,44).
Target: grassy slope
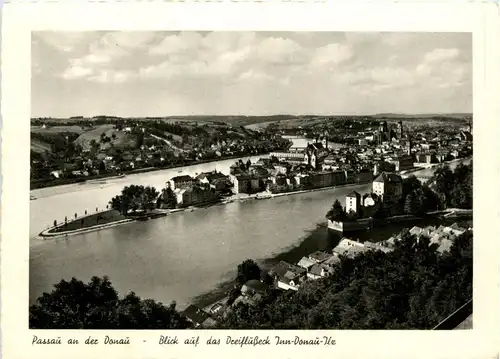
(122,140)
(40,146)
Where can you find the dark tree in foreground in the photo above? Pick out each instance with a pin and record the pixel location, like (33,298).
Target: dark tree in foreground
(96,305)
(413,287)
(454,188)
(248,270)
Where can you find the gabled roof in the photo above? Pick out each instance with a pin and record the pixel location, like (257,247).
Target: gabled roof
(195,314)
(320,256)
(306,262)
(332,260)
(317,269)
(354,194)
(255,285)
(388,178)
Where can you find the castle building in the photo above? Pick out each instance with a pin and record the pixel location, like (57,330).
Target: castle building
(389,187)
(353,202)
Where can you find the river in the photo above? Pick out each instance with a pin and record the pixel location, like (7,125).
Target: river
(179,257)
(183,255)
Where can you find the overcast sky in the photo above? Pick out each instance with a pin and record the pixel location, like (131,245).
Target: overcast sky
(247,73)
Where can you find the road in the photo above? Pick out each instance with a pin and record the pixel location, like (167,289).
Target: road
(168,143)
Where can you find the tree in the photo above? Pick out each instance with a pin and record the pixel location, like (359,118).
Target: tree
(410,184)
(248,270)
(444,182)
(415,203)
(96,305)
(169,199)
(234,293)
(134,198)
(412,287)
(337,212)
(352,216)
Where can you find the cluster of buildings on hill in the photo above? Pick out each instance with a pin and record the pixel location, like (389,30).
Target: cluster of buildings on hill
(390,148)
(136,145)
(319,163)
(295,170)
(317,265)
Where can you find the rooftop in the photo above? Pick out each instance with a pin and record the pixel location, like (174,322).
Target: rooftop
(388,178)
(195,314)
(184,178)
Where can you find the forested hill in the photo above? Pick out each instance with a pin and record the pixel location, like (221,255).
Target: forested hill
(412,287)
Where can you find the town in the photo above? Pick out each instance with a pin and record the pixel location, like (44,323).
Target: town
(83,150)
(392,152)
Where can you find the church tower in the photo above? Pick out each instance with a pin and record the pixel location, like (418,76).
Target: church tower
(324,140)
(409,147)
(400,129)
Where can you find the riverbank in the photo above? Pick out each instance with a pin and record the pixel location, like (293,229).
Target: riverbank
(39,184)
(97,221)
(433,166)
(111,218)
(323,239)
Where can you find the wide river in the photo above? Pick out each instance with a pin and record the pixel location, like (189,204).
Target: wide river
(178,257)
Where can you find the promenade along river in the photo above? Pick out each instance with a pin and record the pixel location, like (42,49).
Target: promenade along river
(179,257)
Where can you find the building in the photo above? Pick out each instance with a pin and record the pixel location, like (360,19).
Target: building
(377,247)
(369,200)
(315,154)
(195,195)
(319,256)
(293,158)
(318,271)
(306,263)
(400,130)
(363,176)
(388,187)
(401,163)
(353,202)
(180,182)
(198,317)
(282,168)
(288,276)
(246,183)
(349,248)
(216,180)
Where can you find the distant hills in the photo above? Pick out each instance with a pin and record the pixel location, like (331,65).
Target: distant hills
(239,120)
(422,116)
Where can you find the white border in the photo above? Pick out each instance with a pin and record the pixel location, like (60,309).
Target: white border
(480,18)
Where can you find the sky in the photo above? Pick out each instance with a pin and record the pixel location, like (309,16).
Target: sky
(143,74)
